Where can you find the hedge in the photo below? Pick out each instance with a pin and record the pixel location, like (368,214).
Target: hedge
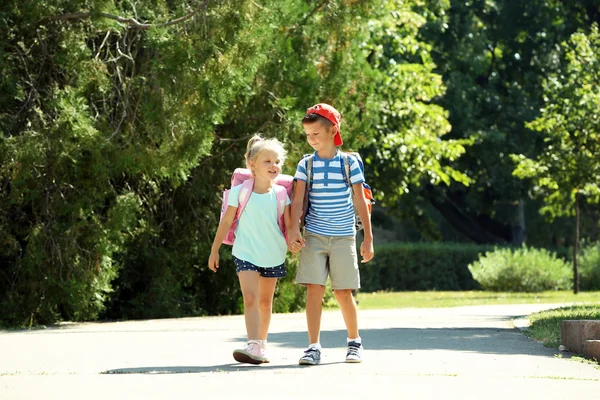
(421,266)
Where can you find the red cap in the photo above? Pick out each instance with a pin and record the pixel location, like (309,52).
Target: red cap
(332,115)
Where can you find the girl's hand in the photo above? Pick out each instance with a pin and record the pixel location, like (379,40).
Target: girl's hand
(295,247)
(295,240)
(213,261)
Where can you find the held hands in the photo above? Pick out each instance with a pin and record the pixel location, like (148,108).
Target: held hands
(366,250)
(295,241)
(213,261)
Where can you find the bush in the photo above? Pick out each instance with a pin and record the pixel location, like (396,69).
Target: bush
(521,270)
(289,296)
(589,267)
(421,266)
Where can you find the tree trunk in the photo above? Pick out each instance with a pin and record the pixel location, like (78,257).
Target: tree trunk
(520,235)
(576,247)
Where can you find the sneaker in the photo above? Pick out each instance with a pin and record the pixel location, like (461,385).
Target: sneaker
(251,353)
(265,355)
(354,354)
(312,356)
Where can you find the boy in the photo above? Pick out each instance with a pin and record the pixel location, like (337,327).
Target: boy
(329,243)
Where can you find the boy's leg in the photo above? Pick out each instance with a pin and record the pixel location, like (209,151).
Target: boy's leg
(314,310)
(345,277)
(312,272)
(348,306)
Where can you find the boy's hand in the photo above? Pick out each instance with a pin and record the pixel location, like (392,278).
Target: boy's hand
(366,250)
(213,261)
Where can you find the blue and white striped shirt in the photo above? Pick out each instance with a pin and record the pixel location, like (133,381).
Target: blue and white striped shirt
(330,212)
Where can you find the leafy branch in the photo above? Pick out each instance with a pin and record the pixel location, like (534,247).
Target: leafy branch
(130,22)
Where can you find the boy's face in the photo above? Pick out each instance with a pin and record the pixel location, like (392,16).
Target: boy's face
(319,136)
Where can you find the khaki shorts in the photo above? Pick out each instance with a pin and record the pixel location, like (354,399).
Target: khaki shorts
(332,256)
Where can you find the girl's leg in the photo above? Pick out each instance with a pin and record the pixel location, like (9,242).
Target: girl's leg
(249,282)
(265,304)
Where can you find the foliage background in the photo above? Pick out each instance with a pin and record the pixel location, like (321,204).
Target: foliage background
(122,121)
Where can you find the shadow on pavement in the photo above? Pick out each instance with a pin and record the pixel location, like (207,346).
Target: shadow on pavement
(233,367)
(479,340)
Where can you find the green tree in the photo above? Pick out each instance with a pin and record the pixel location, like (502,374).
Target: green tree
(493,57)
(106,108)
(407,149)
(566,171)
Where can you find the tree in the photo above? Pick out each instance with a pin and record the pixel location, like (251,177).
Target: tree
(566,171)
(106,108)
(408,149)
(493,57)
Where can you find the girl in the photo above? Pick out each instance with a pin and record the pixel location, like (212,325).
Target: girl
(260,248)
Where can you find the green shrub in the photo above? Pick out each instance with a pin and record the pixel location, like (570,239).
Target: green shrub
(289,296)
(420,266)
(521,270)
(589,267)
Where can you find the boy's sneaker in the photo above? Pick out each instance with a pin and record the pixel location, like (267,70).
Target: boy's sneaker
(354,354)
(251,353)
(312,356)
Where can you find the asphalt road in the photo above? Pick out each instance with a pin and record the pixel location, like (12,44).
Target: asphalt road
(451,353)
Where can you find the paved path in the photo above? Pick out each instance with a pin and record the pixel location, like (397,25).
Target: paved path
(455,353)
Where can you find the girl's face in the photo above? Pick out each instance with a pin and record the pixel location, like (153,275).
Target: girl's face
(319,136)
(267,165)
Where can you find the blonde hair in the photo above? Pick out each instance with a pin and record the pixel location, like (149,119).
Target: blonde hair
(257,144)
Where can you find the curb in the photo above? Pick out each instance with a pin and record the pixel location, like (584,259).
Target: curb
(521,323)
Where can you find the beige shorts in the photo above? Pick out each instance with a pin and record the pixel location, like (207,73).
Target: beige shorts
(331,256)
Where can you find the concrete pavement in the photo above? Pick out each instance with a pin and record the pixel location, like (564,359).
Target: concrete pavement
(447,353)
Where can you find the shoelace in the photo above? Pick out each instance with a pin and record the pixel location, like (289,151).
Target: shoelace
(353,349)
(312,352)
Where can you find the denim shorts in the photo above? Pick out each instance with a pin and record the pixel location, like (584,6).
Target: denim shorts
(265,272)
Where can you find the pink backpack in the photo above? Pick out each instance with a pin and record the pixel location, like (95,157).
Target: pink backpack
(283,189)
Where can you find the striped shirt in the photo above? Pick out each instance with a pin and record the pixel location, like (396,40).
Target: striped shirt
(330,210)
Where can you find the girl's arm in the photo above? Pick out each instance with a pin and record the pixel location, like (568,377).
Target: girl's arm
(224,225)
(366,248)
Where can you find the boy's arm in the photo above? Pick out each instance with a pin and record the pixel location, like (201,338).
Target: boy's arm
(366,248)
(296,212)
(224,225)
(293,246)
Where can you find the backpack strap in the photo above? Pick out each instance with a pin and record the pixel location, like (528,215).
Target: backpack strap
(309,175)
(346,170)
(281,196)
(346,175)
(309,170)
(244,196)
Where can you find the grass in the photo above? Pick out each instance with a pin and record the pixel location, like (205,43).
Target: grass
(545,326)
(387,300)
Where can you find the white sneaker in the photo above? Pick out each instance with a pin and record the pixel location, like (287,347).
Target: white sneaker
(251,354)
(312,356)
(355,351)
(265,355)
